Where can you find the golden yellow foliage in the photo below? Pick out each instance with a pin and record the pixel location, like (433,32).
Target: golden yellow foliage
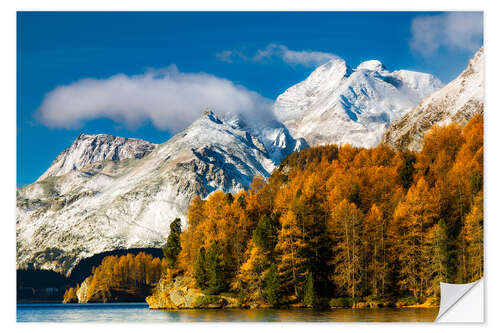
(357,221)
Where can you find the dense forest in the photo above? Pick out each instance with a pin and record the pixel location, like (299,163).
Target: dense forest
(340,224)
(125,278)
(334,226)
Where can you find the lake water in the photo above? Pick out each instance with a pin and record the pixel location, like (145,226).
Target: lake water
(139,312)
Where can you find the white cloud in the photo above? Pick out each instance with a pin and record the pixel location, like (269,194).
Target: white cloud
(454,30)
(225,56)
(230,55)
(291,57)
(171,100)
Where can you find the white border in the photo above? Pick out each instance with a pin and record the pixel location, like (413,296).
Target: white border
(8,139)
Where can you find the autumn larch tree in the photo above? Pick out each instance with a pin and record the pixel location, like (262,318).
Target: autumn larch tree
(345,228)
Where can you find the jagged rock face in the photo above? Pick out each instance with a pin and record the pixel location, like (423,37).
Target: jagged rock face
(337,104)
(458,101)
(273,135)
(180,293)
(88,149)
(118,204)
(82,292)
(174,294)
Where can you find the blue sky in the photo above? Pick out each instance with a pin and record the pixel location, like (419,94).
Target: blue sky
(254,56)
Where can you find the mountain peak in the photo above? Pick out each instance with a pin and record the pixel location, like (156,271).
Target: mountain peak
(458,101)
(86,136)
(332,62)
(333,66)
(210,114)
(207,112)
(129,204)
(372,65)
(337,105)
(91,148)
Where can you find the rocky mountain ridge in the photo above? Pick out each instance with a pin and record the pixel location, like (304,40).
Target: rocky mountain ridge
(337,104)
(88,149)
(110,204)
(105,193)
(458,101)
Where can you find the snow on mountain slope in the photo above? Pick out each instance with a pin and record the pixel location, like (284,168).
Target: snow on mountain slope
(114,204)
(458,101)
(337,104)
(87,149)
(274,136)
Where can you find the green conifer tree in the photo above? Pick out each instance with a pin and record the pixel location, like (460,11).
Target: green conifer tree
(214,269)
(272,285)
(265,234)
(309,293)
(173,246)
(200,273)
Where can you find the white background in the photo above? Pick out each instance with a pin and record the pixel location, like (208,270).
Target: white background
(8,151)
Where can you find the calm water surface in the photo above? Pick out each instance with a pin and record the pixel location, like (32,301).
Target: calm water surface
(139,312)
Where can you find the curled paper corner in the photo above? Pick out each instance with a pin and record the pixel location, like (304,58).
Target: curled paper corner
(462,303)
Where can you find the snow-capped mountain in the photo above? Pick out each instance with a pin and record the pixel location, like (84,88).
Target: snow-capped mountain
(337,104)
(274,136)
(114,203)
(87,149)
(105,193)
(458,101)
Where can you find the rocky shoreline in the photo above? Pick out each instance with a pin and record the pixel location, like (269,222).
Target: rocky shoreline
(180,293)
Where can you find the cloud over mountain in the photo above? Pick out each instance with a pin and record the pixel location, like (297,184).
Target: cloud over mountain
(168,98)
